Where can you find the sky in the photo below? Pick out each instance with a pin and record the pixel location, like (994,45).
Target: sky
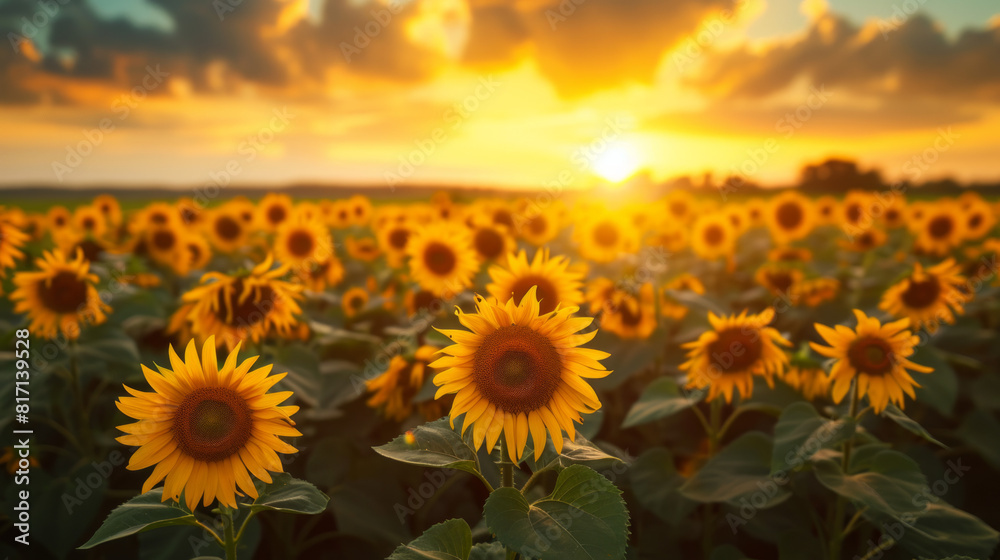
(517,93)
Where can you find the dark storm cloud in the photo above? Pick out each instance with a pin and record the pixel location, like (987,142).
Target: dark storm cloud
(913,60)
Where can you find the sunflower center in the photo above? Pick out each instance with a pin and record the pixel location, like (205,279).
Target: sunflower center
(547,294)
(422,300)
(517,369)
(923,293)
(398,238)
(60,221)
(89,224)
(245,310)
(319,270)
(276,214)
(678,209)
(227,228)
(871,355)
(630,317)
(158,218)
(537,224)
(504,217)
(300,243)
(891,215)
(779,281)
(439,258)
(164,239)
(195,252)
(713,235)
(489,243)
(735,349)
(212,423)
(189,215)
(866,240)
(606,234)
(356,302)
(853,212)
(64,293)
(940,227)
(789,215)
(91,250)
(975,221)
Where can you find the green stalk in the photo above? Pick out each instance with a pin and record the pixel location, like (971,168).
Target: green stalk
(837,531)
(506,467)
(228,537)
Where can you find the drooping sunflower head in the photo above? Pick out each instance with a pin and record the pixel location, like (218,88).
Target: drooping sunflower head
(670,307)
(875,355)
(518,373)
(735,350)
(207,428)
(928,297)
(790,217)
(302,242)
(394,390)
(273,210)
(713,237)
(442,259)
(60,296)
(554,279)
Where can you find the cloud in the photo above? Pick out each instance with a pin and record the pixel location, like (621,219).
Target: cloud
(887,60)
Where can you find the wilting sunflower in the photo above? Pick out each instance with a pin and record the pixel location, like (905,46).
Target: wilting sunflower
(604,238)
(442,259)
(354,301)
(928,297)
(362,248)
(492,242)
(780,279)
(519,373)
(108,206)
(631,315)
(394,389)
(737,348)
(979,218)
(942,229)
(790,217)
(245,306)
(60,296)
(874,354)
(204,426)
(226,228)
(713,237)
(302,242)
(274,209)
(810,380)
(89,221)
(556,282)
(669,307)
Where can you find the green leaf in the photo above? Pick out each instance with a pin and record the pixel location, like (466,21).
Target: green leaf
(892,412)
(579,452)
(985,392)
(741,469)
(941,531)
(289,495)
(435,444)
(940,387)
(142,513)
(449,540)
(801,432)
(584,518)
(656,484)
(881,479)
(661,399)
(981,430)
(488,551)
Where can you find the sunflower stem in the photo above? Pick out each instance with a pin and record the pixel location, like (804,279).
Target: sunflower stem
(506,467)
(227,528)
(86,443)
(837,530)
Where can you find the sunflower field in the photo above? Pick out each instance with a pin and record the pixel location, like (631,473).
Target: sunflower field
(525,376)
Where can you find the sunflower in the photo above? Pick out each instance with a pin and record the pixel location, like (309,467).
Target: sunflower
(737,348)
(942,229)
(11,241)
(669,307)
(318,276)
(418,301)
(58,217)
(442,259)
(681,206)
(190,212)
(556,282)
(790,217)
(248,305)
(928,297)
(894,213)
(519,373)
(810,380)
(979,219)
(60,296)
(599,293)
(492,242)
(394,237)
(299,243)
(166,245)
(274,209)
(68,240)
(108,206)
(631,315)
(354,301)
(198,251)
(756,211)
(362,248)
(157,214)
(89,221)
(360,209)
(854,210)
(338,214)
(671,237)
(226,228)
(815,291)
(874,354)
(713,237)
(779,279)
(205,426)
(242,207)
(604,238)
(864,240)
(540,227)
(394,389)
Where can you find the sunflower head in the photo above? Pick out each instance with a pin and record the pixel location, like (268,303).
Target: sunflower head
(394,390)
(354,301)
(554,279)
(737,348)
(442,259)
(670,307)
(519,373)
(60,296)
(790,217)
(928,297)
(274,209)
(875,355)
(207,427)
(713,236)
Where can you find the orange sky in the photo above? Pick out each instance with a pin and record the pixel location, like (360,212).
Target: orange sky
(496,92)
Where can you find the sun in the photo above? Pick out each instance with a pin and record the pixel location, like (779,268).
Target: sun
(619,162)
